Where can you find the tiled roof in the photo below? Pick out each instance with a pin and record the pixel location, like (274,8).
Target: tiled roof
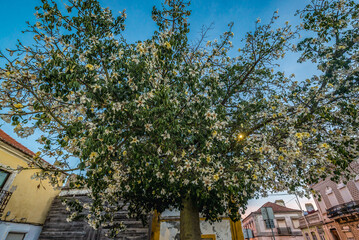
(12,142)
(277,208)
(15,144)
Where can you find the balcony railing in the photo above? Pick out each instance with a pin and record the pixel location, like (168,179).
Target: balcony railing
(312,219)
(284,231)
(4,199)
(343,209)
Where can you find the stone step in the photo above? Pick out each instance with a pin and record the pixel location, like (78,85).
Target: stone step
(56,227)
(64,233)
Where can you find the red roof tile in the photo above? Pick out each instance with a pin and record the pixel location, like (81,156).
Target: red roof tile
(277,208)
(12,142)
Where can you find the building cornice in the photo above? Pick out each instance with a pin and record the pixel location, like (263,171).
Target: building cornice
(15,152)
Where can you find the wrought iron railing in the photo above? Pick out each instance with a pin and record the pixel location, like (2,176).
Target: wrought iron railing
(343,209)
(284,231)
(4,199)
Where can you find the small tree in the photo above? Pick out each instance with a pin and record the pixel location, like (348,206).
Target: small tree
(164,124)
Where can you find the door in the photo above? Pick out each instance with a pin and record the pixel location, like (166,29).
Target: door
(335,234)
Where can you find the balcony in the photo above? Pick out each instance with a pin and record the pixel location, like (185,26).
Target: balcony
(312,219)
(284,231)
(4,199)
(349,208)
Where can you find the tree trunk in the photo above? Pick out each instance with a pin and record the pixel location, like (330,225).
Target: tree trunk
(189,221)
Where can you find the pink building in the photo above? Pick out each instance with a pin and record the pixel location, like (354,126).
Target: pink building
(339,209)
(286,223)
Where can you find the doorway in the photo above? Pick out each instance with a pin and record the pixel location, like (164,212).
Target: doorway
(335,234)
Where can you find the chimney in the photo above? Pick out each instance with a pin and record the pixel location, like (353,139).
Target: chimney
(280,202)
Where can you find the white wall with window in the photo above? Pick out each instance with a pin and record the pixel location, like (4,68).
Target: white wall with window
(19,231)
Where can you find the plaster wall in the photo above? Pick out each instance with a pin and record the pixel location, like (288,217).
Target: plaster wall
(32,232)
(169,230)
(261,228)
(30,200)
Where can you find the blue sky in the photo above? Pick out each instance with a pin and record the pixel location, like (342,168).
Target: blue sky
(139,26)
(14,14)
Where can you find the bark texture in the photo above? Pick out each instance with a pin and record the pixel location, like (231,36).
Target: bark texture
(189,221)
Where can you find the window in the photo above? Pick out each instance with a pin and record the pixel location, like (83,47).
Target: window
(348,233)
(247,233)
(295,222)
(346,195)
(333,199)
(322,237)
(314,236)
(350,236)
(346,229)
(3,177)
(307,236)
(269,223)
(281,223)
(15,236)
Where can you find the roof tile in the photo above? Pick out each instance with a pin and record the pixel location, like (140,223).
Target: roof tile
(12,142)
(277,208)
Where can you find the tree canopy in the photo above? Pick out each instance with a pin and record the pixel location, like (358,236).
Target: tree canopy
(156,121)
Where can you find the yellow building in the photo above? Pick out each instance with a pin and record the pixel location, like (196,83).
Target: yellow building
(24,202)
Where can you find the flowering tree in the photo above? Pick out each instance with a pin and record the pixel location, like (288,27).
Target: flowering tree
(165,124)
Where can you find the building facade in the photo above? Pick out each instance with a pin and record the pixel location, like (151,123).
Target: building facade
(285,225)
(339,208)
(312,226)
(166,226)
(24,202)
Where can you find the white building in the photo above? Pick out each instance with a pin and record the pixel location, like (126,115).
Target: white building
(169,228)
(285,223)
